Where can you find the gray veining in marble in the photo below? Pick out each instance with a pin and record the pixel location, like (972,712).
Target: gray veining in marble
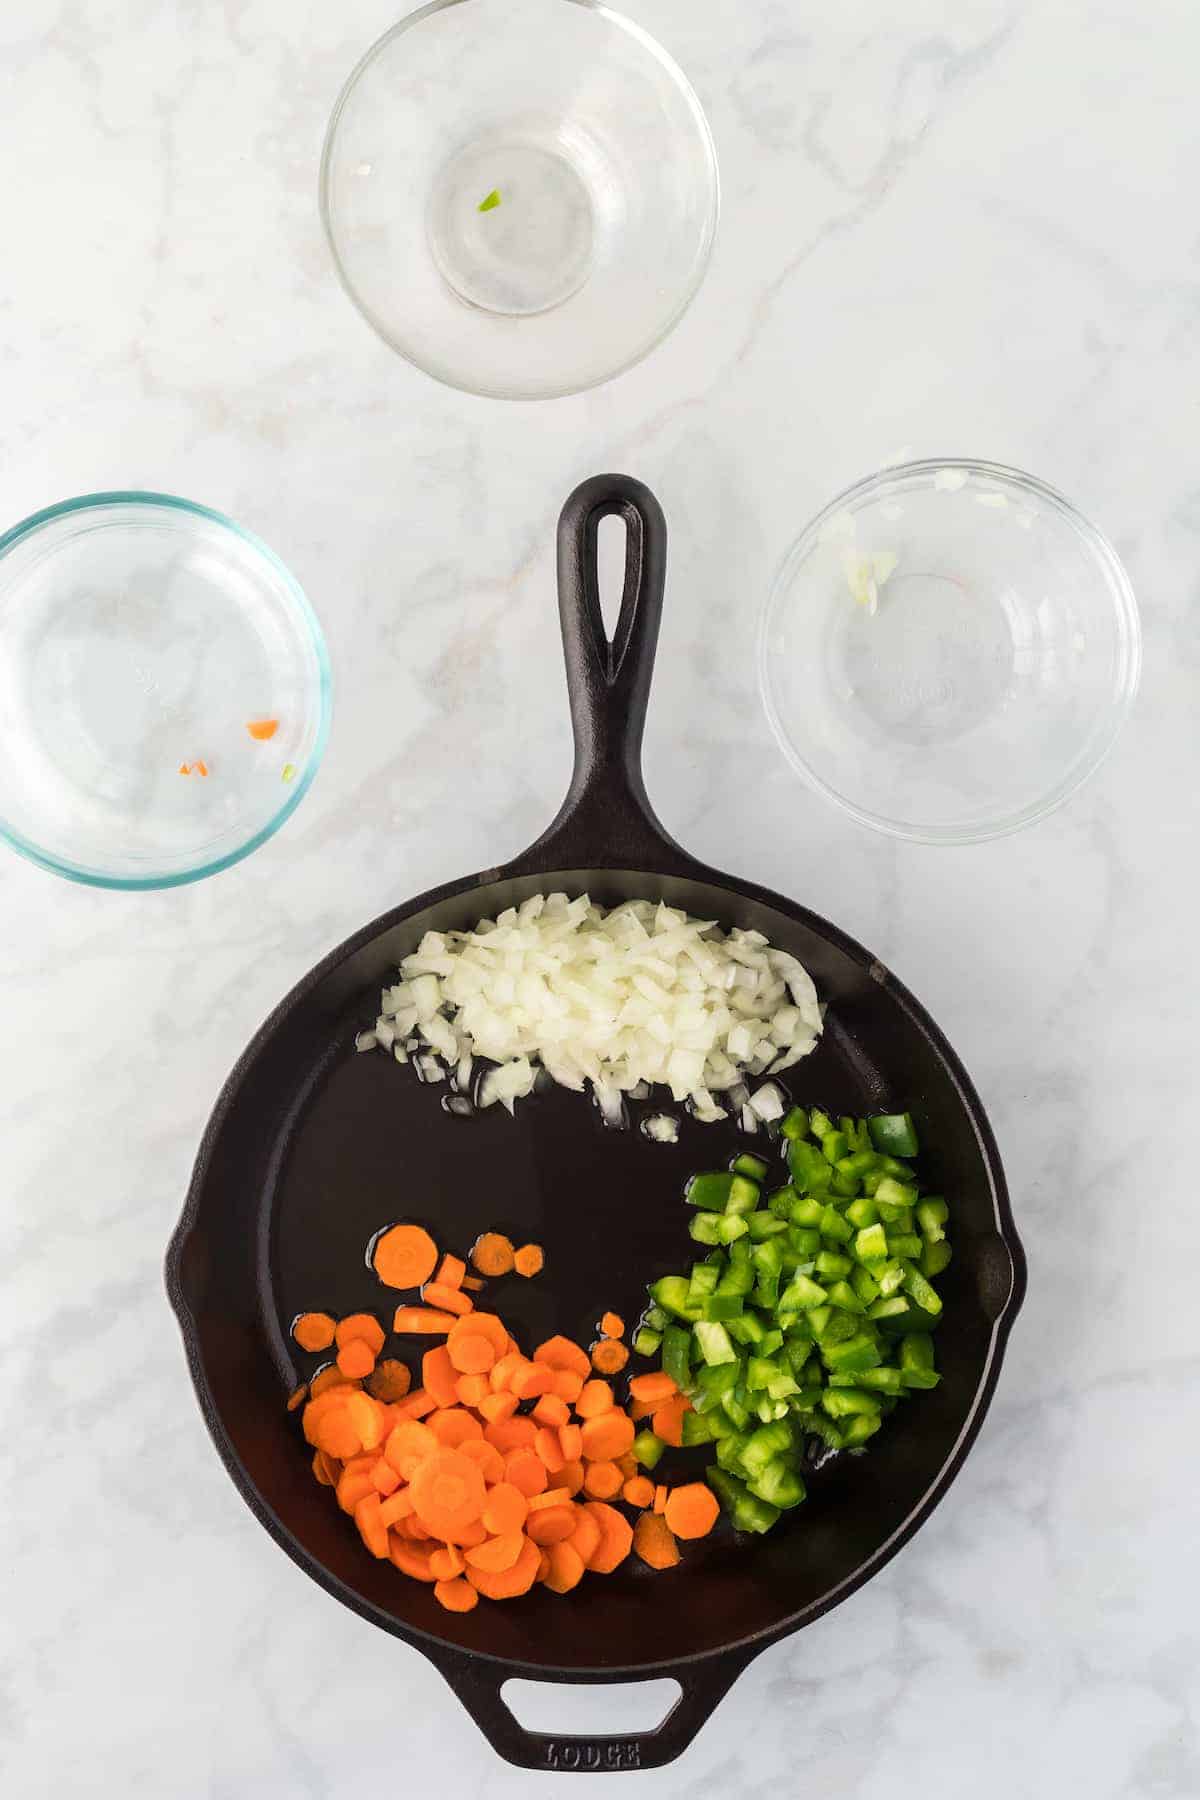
(951,228)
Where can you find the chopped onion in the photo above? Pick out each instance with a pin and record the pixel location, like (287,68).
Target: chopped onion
(366,1040)
(749,1120)
(767,1103)
(617,1001)
(661,1128)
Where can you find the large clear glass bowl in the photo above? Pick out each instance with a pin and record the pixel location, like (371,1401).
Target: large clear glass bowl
(949,650)
(520,195)
(142,636)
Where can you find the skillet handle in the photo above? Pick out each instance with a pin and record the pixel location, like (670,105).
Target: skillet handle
(606,818)
(479,1686)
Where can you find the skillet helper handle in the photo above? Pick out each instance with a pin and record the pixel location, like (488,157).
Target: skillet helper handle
(606,818)
(479,1687)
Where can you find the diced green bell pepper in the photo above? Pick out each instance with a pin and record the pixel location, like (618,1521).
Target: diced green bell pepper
(779,1484)
(894,1134)
(712,1341)
(794,1124)
(648,1448)
(870,1244)
(746,1511)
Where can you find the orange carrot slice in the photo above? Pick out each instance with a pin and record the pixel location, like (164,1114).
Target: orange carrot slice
(390,1380)
(496,1554)
(448,1494)
(404,1257)
(612,1325)
(440,1376)
(638,1491)
(561,1353)
(566,1568)
(448,1299)
(505,1509)
(602,1480)
(453,1425)
(492,1254)
(596,1397)
(360,1328)
(313,1330)
(616,1538)
(692,1510)
(529,1260)
(487,1456)
(608,1356)
(509,1583)
(654,1542)
(657,1386)
(262,729)
(456,1596)
(422,1321)
(526,1471)
(607,1437)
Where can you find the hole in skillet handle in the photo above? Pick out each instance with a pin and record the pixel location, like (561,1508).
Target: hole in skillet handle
(479,1685)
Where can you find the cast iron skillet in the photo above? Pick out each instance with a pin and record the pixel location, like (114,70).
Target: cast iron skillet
(312,1148)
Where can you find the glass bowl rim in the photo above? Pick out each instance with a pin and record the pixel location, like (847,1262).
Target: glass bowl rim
(489,391)
(1125,612)
(174,503)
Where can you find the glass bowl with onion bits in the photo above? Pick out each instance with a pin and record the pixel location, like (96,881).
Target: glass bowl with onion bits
(520,195)
(949,650)
(164,690)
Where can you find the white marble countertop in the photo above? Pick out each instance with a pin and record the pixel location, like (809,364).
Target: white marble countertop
(955,228)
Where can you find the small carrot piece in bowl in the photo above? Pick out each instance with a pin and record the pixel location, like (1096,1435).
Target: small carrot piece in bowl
(612,1325)
(390,1380)
(496,1554)
(487,1456)
(654,1541)
(451,1271)
(356,1359)
(692,1510)
(638,1491)
(554,1525)
(453,1425)
(560,1353)
(492,1254)
(404,1256)
(569,1478)
(262,730)
(526,1471)
(529,1260)
(470,1352)
(660,1498)
(595,1399)
(616,1538)
(668,1420)
(313,1330)
(470,1390)
(570,1442)
(566,1568)
(657,1385)
(550,1410)
(494,1407)
(456,1596)
(473,1283)
(509,1583)
(297,1397)
(602,1481)
(505,1509)
(439,1375)
(448,1493)
(446,1562)
(607,1437)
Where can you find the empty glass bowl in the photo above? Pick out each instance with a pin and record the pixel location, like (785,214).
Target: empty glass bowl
(520,195)
(949,651)
(164,690)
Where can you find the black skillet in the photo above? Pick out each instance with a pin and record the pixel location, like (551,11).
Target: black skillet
(312,1148)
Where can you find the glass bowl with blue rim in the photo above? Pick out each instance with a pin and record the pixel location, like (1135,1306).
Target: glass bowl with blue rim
(164,690)
(949,650)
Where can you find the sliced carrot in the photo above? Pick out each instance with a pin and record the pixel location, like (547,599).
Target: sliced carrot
(262,729)
(509,1582)
(366,1415)
(354,1485)
(567,1385)
(607,1437)
(496,1554)
(609,1357)
(526,1471)
(561,1353)
(612,1325)
(451,1270)
(449,1299)
(356,1359)
(471,1389)
(447,1561)
(503,1369)
(397,1506)
(313,1330)
(410,1526)
(505,1509)
(595,1398)
(616,1538)
(668,1420)
(453,1425)
(638,1491)
(530,1380)
(566,1568)
(641,1409)
(384,1478)
(297,1397)
(511,1434)
(569,1478)
(456,1596)
(550,1410)
(498,1406)
(657,1385)
(470,1352)
(408,1446)
(492,1254)
(448,1493)
(473,1282)
(660,1498)
(692,1510)
(419,1402)
(586,1535)
(439,1375)
(602,1480)
(329,1376)
(470,1535)
(529,1260)
(570,1442)
(487,1456)
(360,1328)
(654,1541)
(390,1380)
(552,1526)
(370,1525)
(404,1257)
(321,1406)
(410,1558)
(422,1321)
(485,1324)
(337,1436)
(547,1446)
(325,1469)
